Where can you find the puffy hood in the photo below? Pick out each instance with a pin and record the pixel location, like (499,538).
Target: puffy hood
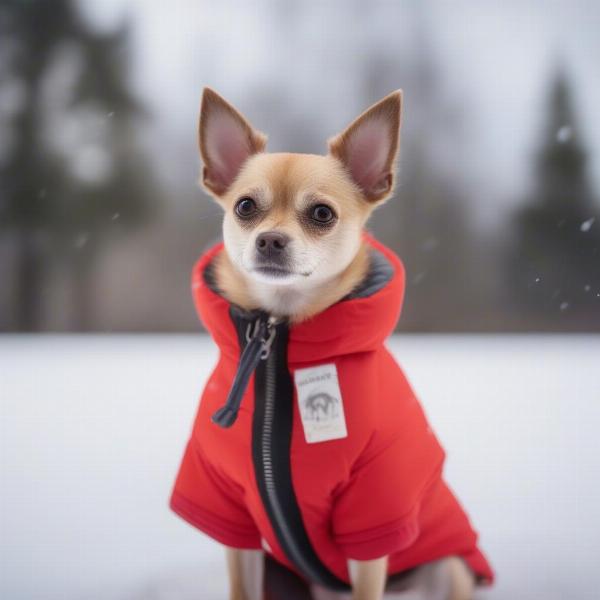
(359,322)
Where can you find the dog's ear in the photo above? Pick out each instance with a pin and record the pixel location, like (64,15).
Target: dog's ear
(226,140)
(368,147)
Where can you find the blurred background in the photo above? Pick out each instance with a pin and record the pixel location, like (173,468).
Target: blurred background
(497,214)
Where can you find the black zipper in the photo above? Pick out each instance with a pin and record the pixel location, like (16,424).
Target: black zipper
(271,438)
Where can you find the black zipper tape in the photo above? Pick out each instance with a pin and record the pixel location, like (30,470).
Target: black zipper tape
(272,423)
(271,444)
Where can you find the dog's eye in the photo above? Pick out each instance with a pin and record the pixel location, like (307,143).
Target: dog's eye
(245,207)
(322,213)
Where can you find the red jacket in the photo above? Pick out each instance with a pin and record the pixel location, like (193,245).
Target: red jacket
(331,457)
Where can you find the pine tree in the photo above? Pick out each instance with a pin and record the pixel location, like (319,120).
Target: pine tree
(556,265)
(73,166)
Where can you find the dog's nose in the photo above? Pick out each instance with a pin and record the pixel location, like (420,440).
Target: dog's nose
(271,243)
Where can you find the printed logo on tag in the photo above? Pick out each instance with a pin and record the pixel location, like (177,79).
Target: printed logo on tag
(320,403)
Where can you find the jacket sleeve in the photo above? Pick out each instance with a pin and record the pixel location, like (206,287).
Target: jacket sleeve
(205,499)
(376,511)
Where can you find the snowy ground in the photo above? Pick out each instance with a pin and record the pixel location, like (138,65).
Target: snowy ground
(92,430)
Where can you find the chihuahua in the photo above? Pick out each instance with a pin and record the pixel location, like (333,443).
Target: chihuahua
(293,247)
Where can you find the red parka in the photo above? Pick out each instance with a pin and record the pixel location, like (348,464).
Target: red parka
(331,456)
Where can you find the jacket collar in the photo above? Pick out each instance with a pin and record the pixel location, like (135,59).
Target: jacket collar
(359,322)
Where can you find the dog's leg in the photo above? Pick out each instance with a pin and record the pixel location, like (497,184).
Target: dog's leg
(245,568)
(236,575)
(463,580)
(368,578)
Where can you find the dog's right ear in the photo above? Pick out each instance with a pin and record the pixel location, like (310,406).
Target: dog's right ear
(226,140)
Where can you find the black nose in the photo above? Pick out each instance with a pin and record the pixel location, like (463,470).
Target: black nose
(271,243)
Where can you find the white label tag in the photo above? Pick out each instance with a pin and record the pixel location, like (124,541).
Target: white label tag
(320,403)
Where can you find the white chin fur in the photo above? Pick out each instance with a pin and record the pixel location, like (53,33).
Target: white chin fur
(274,280)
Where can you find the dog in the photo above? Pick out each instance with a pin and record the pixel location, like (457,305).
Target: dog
(295,249)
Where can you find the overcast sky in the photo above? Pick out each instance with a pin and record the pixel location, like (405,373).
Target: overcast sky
(496,57)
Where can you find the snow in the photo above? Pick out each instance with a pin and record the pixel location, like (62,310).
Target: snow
(93,428)
(587,225)
(564,134)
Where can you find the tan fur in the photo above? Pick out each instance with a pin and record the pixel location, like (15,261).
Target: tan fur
(284,177)
(285,183)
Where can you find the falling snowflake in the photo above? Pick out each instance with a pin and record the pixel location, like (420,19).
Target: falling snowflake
(564,134)
(115,216)
(587,225)
(537,279)
(81,240)
(564,306)
(587,287)
(110,115)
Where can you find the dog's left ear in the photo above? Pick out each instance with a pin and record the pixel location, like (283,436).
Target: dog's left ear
(368,147)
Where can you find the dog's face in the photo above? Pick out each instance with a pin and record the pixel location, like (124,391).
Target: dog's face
(292,219)
(296,219)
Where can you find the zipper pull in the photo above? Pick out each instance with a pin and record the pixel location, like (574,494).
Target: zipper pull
(257,348)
